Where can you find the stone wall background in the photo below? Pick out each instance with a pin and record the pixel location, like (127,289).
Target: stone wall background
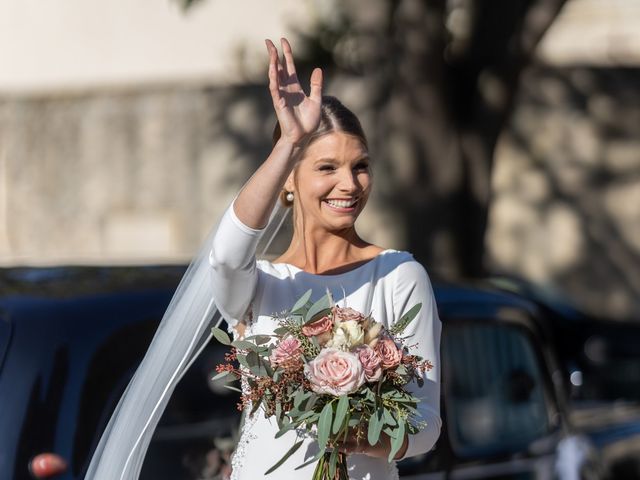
(101,173)
(566,187)
(140,175)
(130,176)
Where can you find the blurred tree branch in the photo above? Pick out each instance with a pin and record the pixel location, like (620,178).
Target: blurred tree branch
(440,78)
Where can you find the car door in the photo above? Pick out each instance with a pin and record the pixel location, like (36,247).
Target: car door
(501,419)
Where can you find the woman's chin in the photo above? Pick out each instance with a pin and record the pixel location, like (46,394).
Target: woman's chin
(335,225)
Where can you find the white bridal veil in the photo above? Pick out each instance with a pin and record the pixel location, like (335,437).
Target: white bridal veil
(183,333)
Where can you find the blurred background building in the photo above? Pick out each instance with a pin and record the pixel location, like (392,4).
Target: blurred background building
(506,136)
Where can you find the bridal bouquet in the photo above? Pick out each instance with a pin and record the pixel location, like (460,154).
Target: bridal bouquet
(333,372)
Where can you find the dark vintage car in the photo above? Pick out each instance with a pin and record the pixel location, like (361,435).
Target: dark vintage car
(71,338)
(600,364)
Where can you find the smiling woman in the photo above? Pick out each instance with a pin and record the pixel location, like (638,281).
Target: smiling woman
(320,168)
(320,165)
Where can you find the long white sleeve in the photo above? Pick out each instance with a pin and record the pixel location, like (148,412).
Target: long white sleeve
(412,286)
(233,266)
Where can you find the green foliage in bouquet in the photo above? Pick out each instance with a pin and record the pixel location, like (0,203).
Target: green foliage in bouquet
(285,374)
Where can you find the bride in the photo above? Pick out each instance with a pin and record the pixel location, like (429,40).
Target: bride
(320,169)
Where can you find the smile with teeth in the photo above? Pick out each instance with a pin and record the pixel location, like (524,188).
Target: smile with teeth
(341,203)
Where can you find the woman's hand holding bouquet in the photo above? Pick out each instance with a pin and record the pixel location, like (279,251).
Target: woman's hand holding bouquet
(336,373)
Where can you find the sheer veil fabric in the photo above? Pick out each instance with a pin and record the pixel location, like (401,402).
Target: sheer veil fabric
(183,333)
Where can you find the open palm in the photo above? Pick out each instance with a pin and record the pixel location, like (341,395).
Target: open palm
(297,114)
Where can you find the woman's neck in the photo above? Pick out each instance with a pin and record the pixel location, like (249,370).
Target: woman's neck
(328,252)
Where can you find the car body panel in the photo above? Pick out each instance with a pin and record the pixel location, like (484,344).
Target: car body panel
(76,335)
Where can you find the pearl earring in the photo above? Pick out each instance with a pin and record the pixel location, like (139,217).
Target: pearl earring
(289,197)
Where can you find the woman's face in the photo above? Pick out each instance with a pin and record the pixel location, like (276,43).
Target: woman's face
(332,182)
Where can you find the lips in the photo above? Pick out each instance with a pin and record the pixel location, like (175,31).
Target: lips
(341,206)
(341,203)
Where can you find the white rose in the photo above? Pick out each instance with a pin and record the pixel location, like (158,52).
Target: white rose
(347,334)
(354,332)
(339,339)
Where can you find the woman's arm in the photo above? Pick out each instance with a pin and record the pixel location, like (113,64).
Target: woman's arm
(232,257)
(423,334)
(412,286)
(298,116)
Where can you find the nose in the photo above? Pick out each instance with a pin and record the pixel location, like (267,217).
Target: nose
(349,182)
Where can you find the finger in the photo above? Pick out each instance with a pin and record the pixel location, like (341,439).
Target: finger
(282,74)
(273,57)
(287,55)
(315,93)
(274,83)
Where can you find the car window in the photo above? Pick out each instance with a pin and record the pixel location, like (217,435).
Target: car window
(493,388)
(609,365)
(198,429)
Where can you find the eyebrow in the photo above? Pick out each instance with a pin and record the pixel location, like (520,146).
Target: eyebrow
(333,160)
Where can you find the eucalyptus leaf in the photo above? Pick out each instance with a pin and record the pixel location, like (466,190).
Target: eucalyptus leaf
(314,459)
(285,428)
(242,360)
(220,375)
(322,305)
(259,339)
(341,412)
(267,367)
(397,441)
(300,397)
(333,462)
(324,425)
(231,387)
(405,320)
(370,395)
(290,452)
(306,415)
(312,401)
(302,301)
(244,345)
(252,359)
(388,418)
(281,331)
(255,371)
(221,336)
(375,427)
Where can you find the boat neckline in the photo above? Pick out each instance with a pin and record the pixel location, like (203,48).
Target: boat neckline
(365,264)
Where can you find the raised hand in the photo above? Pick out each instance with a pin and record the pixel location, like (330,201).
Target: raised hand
(298,115)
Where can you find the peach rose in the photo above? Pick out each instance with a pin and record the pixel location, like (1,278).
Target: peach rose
(388,352)
(370,363)
(287,353)
(317,327)
(346,314)
(335,372)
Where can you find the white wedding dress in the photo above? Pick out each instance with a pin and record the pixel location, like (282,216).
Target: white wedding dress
(386,286)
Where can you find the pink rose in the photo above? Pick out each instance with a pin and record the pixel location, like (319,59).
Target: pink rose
(388,352)
(370,363)
(348,313)
(287,353)
(317,327)
(335,372)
